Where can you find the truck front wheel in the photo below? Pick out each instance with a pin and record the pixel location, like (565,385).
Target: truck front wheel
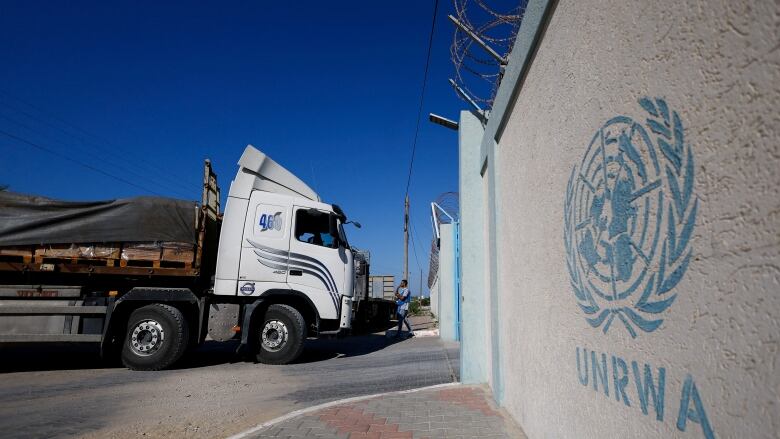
(156,337)
(281,334)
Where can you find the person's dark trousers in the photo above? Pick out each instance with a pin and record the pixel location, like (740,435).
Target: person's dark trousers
(401,320)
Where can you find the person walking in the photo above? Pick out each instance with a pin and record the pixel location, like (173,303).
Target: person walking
(402,298)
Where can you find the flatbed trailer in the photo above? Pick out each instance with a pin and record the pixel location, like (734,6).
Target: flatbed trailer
(241,279)
(73,292)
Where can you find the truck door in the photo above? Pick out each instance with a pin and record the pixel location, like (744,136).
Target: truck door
(265,244)
(316,261)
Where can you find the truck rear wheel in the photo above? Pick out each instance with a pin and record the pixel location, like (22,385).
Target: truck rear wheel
(156,337)
(280,335)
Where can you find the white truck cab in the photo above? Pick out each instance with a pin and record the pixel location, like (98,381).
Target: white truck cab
(278,238)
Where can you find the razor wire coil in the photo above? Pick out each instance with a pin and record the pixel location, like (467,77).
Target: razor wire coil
(477,73)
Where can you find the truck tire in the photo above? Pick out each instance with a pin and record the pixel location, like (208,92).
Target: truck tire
(280,335)
(156,336)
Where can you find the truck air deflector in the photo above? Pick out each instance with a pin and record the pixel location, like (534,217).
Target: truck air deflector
(259,172)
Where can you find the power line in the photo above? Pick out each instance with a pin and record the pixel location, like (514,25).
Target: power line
(150,167)
(422,95)
(118,166)
(84,142)
(70,159)
(414,233)
(414,246)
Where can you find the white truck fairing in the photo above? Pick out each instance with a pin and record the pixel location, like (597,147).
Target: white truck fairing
(258,172)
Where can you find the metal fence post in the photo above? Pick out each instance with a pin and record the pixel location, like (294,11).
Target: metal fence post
(457,281)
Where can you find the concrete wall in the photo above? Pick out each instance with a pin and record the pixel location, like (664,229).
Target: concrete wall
(447,300)
(474,308)
(648,309)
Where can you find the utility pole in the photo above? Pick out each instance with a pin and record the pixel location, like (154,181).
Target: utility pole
(406,238)
(420,291)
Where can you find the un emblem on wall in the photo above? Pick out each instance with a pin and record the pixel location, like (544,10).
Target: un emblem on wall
(628,219)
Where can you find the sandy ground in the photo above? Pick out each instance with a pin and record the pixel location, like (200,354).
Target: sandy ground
(66,391)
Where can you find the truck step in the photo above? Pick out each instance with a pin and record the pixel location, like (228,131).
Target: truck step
(51,310)
(49,338)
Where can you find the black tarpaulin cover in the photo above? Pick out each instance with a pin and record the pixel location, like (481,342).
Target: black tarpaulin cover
(34,220)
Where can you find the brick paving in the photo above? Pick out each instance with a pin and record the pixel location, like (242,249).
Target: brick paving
(450,412)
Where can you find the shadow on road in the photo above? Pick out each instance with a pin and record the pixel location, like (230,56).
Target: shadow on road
(58,356)
(322,350)
(364,340)
(51,356)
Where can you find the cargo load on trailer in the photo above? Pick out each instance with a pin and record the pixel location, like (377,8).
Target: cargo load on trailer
(36,220)
(130,230)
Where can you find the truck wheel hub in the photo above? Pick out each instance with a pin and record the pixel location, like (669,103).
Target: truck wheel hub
(147,337)
(274,335)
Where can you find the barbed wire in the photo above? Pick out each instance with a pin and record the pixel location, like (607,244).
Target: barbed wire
(477,73)
(450,203)
(433,263)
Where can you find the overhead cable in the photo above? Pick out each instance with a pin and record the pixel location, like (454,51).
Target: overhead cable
(157,172)
(422,95)
(118,166)
(78,162)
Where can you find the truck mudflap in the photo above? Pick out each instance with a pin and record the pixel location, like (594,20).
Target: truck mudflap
(249,311)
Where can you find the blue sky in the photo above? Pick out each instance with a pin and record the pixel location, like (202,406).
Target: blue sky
(146,91)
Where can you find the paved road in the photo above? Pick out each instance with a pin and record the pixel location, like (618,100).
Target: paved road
(62,391)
